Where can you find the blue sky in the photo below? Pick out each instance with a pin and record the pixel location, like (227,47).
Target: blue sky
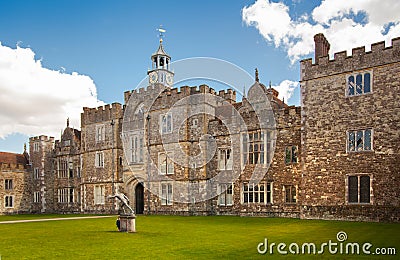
(110,44)
(111,41)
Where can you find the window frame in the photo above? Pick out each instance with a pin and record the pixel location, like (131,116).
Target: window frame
(195,122)
(224,190)
(63,195)
(168,163)
(290,199)
(169,192)
(62,168)
(227,163)
(66,195)
(71,195)
(36,197)
(70,169)
(290,150)
(355,133)
(355,75)
(359,189)
(99,159)
(100,134)
(36,146)
(137,148)
(9,199)
(249,144)
(99,195)
(8,184)
(164,128)
(36,173)
(267,191)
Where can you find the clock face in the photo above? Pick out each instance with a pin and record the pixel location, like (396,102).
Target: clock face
(169,79)
(153,77)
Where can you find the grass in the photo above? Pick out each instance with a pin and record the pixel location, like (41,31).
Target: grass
(40,216)
(176,237)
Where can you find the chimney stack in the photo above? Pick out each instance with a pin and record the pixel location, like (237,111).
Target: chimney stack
(322,46)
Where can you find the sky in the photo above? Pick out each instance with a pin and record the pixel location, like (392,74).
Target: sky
(59,56)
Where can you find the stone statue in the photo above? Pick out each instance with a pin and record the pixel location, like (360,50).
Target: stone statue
(124,205)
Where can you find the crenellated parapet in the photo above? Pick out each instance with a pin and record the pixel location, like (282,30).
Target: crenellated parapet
(229,95)
(43,144)
(44,138)
(101,114)
(141,93)
(359,60)
(12,167)
(288,117)
(292,110)
(184,91)
(158,96)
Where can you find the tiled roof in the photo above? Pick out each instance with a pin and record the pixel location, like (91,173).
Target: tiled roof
(13,158)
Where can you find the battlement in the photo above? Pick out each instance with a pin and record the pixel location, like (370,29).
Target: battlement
(178,93)
(184,91)
(292,110)
(358,60)
(12,167)
(102,113)
(41,138)
(142,91)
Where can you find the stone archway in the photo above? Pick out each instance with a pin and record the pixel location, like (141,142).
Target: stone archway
(139,198)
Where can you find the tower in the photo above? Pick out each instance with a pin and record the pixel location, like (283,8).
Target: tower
(160,66)
(41,159)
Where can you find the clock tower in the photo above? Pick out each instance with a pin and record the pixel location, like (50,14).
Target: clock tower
(160,66)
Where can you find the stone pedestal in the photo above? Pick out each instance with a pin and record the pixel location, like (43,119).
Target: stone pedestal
(127,223)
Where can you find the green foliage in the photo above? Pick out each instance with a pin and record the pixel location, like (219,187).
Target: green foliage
(176,237)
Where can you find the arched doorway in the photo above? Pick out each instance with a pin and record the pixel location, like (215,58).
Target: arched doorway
(139,198)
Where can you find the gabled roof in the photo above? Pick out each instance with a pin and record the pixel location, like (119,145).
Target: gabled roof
(271,93)
(13,158)
(77,133)
(70,132)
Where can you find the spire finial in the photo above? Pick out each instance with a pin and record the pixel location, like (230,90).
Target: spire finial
(67,121)
(257,79)
(270,85)
(24,147)
(244,91)
(161,33)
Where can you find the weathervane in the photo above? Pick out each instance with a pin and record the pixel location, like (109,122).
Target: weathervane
(161,31)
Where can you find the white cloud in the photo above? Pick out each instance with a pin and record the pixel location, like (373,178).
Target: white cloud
(35,100)
(265,15)
(286,89)
(346,24)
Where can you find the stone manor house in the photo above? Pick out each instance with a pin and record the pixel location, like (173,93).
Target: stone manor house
(335,157)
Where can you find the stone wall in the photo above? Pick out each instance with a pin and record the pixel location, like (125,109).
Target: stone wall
(317,130)
(278,173)
(68,150)
(42,160)
(110,145)
(328,113)
(20,176)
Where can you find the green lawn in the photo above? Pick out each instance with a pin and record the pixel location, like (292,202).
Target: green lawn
(41,216)
(176,237)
